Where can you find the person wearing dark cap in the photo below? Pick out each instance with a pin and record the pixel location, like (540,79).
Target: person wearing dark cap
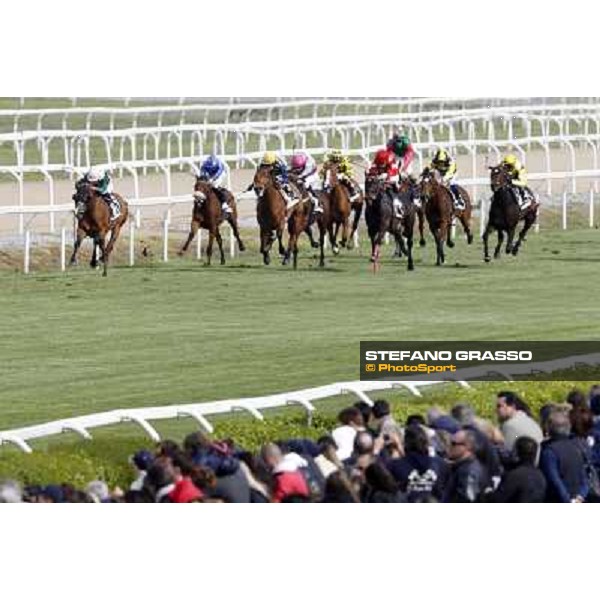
(421,476)
(141,461)
(385,425)
(525,484)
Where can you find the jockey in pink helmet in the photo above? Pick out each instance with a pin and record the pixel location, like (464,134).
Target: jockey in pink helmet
(305,171)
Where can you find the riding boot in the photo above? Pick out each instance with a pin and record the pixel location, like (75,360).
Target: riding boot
(223,197)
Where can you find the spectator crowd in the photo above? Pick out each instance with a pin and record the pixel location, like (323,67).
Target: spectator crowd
(443,457)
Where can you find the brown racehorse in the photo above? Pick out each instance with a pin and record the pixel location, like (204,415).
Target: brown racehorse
(208,215)
(271,212)
(336,211)
(505,215)
(439,210)
(94,221)
(298,223)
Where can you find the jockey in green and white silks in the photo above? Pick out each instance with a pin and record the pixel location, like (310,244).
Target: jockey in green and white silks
(101,182)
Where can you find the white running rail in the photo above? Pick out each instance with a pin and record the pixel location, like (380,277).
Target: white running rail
(253,406)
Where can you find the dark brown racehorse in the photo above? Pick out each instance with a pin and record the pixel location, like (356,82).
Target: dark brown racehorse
(207,214)
(337,208)
(271,212)
(439,210)
(505,215)
(94,221)
(382,217)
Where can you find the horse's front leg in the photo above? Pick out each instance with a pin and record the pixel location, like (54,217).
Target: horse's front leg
(282,250)
(498,250)
(105,255)
(94,261)
(357,215)
(81,235)
(422,241)
(409,234)
(449,238)
(266,242)
(322,235)
(333,235)
(486,244)
(209,247)
(511,240)
(193,233)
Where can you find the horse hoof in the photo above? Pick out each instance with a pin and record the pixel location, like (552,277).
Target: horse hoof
(422,243)
(336,251)
(315,246)
(242,247)
(451,244)
(487,259)
(470,240)
(267,261)
(411,267)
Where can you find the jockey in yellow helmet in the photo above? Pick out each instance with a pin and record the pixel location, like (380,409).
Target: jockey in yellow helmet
(279,170)
(518,174)
(446,166)
(345,172)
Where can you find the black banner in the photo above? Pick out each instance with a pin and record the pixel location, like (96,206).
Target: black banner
(479,361)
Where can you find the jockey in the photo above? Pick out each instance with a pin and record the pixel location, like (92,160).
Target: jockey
(401,146)
(279,170)
(213,171)
(518,174)
(101,182)
(304,168)
(385,166)
(446,166)
(345,172)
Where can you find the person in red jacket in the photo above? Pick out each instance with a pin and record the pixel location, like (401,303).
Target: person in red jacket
(385,166)
(288,478)
(184,490)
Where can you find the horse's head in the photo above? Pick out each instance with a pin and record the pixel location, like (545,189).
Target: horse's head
(499,178)
(374,185)
(430,180)
(331,171)
(81,197)
(201,190)
(263,179)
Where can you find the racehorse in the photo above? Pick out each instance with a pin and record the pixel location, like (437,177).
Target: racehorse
(207,214)
(439,210)
(381,217)
(271,212)
(298,223)
(336,211)
(505,215)
(94,221)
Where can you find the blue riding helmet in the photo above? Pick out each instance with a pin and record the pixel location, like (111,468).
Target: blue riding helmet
(212,167)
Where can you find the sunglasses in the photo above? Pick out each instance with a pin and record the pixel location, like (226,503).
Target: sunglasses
(453,444)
